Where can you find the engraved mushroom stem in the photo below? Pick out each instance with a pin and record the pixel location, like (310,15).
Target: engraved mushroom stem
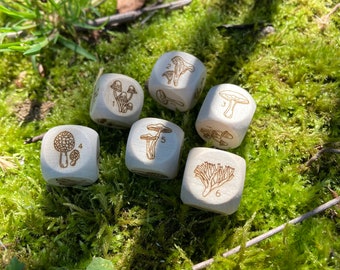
(151,140)
(150,145)
(164,99)
(233,98)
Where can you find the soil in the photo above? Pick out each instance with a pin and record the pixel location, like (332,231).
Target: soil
(31,110)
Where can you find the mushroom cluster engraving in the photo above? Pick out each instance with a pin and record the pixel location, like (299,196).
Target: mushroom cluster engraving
(232,98)
(216,135)
(64,143)
(151,140)
(180,66)
(213,176)
(122,98)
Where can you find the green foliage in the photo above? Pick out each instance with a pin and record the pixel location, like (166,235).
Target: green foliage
(139,223)
(33,25)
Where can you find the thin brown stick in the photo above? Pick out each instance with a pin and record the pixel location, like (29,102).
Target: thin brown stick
(270,233)
(319,153)
(34,139)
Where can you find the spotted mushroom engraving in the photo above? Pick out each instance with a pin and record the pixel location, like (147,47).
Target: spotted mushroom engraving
(232,98)
(151,140)
(123,98)
(213,176)
(180,66)
(64,143)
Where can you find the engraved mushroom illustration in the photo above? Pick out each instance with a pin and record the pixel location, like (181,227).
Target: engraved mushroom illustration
(64,143)
(217,135)
(151,140)
(161,96)
(74,156)
(213,176)
(232,99)
(123,98)
(180,67)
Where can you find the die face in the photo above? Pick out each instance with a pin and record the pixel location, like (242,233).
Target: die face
(69,155)
(153,148)
(213,180)
(177,80)
(225,116)
(117,100)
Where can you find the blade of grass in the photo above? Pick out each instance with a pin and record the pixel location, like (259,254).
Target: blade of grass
(17,14)
(76,48)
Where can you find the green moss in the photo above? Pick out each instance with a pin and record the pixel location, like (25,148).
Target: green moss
(139,223)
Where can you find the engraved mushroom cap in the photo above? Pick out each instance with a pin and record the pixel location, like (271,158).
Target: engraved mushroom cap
(159,128)
(75,154)
(233,96)
(117,85)
(64,141)
(131,90)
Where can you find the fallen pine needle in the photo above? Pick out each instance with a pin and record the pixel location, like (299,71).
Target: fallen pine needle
(270,233)
(6,163)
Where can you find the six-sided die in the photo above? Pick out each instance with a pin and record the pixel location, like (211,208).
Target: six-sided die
(153,148)
(117,101)
(177,80)
(225,115)
(213,180)
(69,156)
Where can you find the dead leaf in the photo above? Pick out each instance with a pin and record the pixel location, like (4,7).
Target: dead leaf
(124,6)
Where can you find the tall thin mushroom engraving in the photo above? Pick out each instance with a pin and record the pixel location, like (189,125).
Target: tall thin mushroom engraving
(64,143)
(151,140)
(180,67)
(232,98)
(213,176)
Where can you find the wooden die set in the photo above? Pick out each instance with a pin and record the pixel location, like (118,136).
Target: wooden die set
(213,178)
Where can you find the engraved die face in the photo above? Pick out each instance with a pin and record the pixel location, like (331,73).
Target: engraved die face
(213,180)
(177,80)
(225,115)
(117,100)
(154,147)
(69,155)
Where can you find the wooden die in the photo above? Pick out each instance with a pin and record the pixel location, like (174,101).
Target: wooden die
(69,156)
(213,180)
(153,148)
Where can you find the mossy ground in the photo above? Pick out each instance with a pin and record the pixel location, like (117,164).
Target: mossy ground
(139,223)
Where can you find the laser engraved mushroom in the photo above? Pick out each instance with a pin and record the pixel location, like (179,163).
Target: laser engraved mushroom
(151,140)
(233,98)
(64,143)
(216,135)
(74,156)
(161,96)
(213,176)
(121,97)
(180,67)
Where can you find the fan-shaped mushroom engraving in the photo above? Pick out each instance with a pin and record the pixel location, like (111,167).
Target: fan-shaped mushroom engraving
(213,176)
(64,142)
(151,140)
(216,135)
(232,99)
(180,67)
(122,98)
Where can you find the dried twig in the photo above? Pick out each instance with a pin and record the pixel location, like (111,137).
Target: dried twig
(320,152)
(133,15)
(34,139)
(324,20)
(270,233)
